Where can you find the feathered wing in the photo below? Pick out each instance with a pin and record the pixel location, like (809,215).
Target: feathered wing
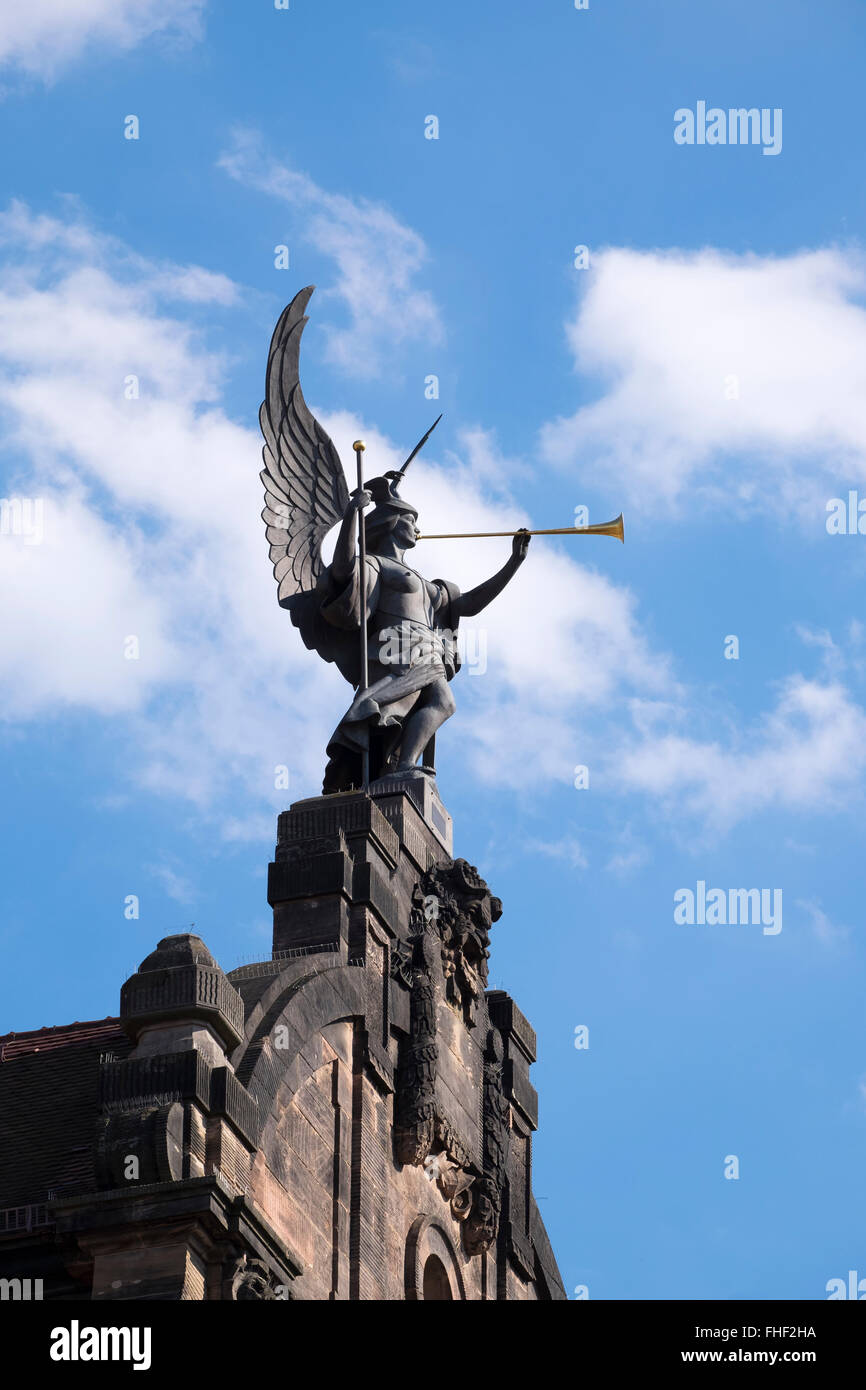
(305,486)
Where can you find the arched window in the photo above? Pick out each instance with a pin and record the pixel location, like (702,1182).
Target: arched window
(436,1283)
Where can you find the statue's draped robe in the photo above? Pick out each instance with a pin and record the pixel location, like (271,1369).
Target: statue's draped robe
(411,642)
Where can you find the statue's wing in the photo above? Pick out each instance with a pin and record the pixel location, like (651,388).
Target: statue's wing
(305,486)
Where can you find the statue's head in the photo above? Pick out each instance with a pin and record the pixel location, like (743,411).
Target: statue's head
(391,515)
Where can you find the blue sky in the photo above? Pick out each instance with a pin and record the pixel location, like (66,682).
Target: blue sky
(706,375)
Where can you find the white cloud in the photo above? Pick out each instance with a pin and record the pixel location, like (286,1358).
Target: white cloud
(807,754)
(377,257)
(70,603)
(410,60)
(43,36)
(673,336)
(630,854)
(174,885)
(826,931)
(568,849)
(151,527)
(833,658)
(23,233)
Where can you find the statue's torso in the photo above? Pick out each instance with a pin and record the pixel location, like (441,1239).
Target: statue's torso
(404,595)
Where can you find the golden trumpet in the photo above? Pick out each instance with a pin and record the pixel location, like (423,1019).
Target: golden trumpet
(608,528)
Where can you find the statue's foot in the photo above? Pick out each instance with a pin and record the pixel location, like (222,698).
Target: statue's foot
(404,772)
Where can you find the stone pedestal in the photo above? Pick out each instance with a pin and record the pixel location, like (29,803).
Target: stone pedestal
(421,789)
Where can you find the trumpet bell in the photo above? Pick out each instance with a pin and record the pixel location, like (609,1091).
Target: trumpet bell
(608,528)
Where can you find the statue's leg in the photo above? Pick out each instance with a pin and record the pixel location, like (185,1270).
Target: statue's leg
(383,743)
(435,705)
(428,757)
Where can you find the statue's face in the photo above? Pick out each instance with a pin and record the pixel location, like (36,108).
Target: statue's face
(405,532)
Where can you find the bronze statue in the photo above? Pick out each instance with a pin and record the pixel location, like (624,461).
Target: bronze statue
(391,632)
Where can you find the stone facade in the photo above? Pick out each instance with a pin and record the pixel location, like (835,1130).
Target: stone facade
(351,1119)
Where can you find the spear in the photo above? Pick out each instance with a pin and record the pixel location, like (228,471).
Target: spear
(418,447)
(359,446)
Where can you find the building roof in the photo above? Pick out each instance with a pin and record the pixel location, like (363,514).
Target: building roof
(49,1105)
(14,1045)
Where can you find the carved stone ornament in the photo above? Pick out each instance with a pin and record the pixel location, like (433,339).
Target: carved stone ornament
(252,1280)
(402,953)
(454,902)
(483,1220)
(453,1181)
(416,1083)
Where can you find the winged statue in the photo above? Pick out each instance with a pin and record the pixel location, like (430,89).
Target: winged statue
(410,623)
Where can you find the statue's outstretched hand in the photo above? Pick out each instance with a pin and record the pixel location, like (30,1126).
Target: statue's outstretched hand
(520,545)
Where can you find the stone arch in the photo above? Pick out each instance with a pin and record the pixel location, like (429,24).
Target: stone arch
(429,1241)
(305,1006)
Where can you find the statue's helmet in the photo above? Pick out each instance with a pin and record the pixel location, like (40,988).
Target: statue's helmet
(389,506)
